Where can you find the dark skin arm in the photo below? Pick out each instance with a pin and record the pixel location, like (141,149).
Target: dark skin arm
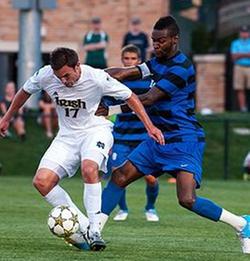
(147,99)
(124,73)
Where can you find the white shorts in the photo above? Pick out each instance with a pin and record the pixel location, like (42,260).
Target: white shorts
(66,153)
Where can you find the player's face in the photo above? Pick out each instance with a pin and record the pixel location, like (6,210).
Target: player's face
(130,59)
(163,43)
(68,75)
(10,89)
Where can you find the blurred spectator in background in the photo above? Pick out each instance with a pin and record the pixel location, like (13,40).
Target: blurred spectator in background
(17,121)
(137,37)
(49,116)
(95,43)
(240,52)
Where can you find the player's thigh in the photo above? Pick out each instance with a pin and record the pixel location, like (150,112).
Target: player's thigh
(185,186)
(96,146)
(126,174)
(182,156)
(143,158)
(238,78)
(119,155)
(62,157)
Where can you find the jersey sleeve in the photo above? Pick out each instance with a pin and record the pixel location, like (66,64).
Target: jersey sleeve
(174,80)
(112,87)
(33,84)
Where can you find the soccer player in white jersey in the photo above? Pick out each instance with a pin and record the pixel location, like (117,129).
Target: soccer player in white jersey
(83,138)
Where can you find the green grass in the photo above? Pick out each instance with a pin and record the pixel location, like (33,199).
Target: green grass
(180,235)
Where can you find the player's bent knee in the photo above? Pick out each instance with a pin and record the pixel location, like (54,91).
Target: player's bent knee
(151,180)
(120,179)
(44,181)
(90,172)
(186,202)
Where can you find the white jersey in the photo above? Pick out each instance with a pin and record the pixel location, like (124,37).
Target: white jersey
(76,106)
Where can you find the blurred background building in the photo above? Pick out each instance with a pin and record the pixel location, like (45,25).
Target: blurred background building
(207,26)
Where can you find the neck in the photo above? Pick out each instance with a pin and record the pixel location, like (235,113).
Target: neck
(170,54)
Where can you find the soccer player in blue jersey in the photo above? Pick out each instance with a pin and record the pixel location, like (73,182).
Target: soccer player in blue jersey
(128,133)
(172,98)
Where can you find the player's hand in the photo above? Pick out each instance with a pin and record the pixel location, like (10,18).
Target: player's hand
(102,110)
(4,125)
(156,134)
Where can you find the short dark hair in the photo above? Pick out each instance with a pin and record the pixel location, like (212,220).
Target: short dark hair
(63,56)
(130,48)
(169,23)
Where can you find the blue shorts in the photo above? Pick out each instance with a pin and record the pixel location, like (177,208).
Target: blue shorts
(150,157)
(119,155)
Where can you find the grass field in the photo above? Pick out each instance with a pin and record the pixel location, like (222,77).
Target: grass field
(179,235)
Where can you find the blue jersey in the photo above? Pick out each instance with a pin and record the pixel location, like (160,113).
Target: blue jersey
(174,115)
(128,128)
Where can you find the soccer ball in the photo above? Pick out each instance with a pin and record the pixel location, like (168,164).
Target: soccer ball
(63,221)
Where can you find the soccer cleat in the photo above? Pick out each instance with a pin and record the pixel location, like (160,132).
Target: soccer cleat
(151,215)
(77,240)
(244,236)
(95,241)
(121,215)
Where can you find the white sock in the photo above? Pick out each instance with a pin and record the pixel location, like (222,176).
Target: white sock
(92,200)
(103,219)
(58,196)
(235,221)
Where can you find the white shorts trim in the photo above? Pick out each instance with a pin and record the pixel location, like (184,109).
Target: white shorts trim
(53,166)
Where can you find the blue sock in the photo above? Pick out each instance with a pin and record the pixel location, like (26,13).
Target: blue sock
(110,197)
(122,202)
(207,208)
(152,193)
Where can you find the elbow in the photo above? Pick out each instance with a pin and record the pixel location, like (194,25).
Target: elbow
(147,100)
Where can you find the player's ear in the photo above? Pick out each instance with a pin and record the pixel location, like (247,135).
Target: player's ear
(77,66)
(175,39)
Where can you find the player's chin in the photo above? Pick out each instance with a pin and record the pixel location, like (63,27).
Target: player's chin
(158,54)
(69,85)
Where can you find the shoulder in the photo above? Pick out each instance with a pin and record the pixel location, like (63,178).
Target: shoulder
(90,73)
(44,72)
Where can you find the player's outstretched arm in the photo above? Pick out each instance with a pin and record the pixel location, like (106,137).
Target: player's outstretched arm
(20,98)
(134,103)
(129,73)
(147,99)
